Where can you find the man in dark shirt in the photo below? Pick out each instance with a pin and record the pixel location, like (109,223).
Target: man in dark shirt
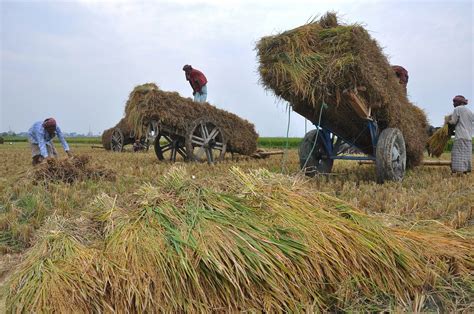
(198,82)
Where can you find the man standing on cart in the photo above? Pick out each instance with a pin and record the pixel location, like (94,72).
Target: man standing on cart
(463,121)
(198,82)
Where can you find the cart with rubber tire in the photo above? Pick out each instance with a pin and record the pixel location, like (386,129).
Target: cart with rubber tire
(332,139)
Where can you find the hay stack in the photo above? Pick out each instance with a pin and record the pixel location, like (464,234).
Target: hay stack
(266,244)
(69,170)
(317,62)
(148,102)
(51,278)
(107,138)
(124,127)
(438,141)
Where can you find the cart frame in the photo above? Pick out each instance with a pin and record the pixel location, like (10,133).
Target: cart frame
(388,146)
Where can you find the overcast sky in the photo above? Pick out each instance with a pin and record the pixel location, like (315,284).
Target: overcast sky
(78,60)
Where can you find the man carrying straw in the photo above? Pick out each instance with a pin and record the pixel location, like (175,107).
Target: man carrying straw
(462,119)
(41,135)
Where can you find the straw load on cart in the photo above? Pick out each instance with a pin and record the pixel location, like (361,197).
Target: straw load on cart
(123,133)
(179,126)
(328,63)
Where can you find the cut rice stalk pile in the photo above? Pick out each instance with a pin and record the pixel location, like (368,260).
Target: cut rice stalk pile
(266,243)
(69,170)
(147,102)
(322,62)
(51,278)
(438,141)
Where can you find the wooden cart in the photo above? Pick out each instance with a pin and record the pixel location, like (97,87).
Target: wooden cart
(202,140)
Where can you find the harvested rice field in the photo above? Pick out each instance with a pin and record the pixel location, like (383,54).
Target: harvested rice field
(131,234)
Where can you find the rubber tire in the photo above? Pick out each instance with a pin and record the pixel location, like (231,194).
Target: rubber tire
(316,161)
(386,170)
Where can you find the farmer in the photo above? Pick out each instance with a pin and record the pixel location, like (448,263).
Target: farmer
(41,135)
(138,146)
(462,119)
(402,75)
(198,82)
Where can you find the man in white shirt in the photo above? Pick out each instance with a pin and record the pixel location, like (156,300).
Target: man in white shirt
(41,135)
(463,121)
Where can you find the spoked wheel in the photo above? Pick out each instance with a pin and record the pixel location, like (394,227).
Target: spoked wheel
(318,161)
(205,142)
(390,158)
(117,141)
(169,146)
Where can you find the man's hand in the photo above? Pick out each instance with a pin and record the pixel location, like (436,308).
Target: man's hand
(447,119)
(69,154)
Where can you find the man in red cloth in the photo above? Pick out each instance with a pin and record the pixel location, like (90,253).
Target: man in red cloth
(198,82)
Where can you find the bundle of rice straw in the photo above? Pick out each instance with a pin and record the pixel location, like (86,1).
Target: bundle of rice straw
(267,243)
(126,130)
(148,102)
(106,138)
(320,62)
(438,141)
(69,170)
(51,278)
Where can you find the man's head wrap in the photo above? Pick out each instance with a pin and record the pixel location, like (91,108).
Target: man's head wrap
(460,100)
(49,123)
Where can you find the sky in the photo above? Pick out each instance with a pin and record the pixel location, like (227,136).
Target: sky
(77,61)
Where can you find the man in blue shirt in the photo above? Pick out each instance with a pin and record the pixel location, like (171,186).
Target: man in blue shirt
(41,135)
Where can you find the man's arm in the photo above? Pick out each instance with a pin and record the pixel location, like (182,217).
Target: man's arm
(194,80)
(62,139)
(42,145)
(197,85)
(454,118)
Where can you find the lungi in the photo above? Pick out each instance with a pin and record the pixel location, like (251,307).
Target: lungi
(461,156)
(35,151)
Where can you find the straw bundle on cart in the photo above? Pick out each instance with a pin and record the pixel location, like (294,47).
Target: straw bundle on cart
(147,102)
(107,134)
(320,62)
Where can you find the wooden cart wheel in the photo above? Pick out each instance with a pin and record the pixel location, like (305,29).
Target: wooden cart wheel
(117,140)
(169,146)
(205,142)
(318,161)
(390,157)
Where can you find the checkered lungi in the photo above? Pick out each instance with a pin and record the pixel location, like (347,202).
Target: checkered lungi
(461,156)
